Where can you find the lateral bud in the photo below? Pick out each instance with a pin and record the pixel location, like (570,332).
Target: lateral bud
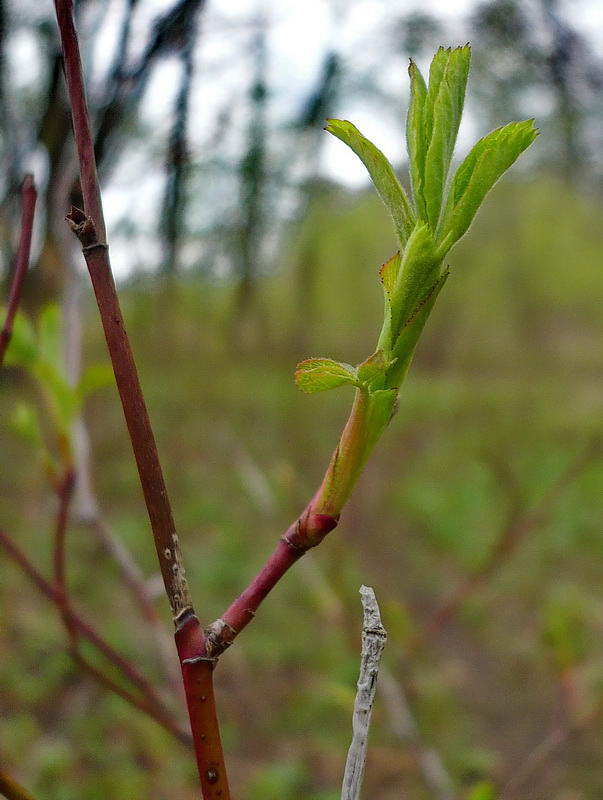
(310,529)
(318,525)
(218,636)
(82,226)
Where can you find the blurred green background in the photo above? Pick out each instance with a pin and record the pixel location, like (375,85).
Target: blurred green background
(254,254)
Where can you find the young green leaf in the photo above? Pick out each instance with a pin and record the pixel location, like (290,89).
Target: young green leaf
(406,342)
(319,374)
(407,281)
(22,348)
(26,423)
(50,336)
(96,376)
(388,273)
(419,270)
(482,791)
(443,111)
(382,174)
(488,160)
(415,137)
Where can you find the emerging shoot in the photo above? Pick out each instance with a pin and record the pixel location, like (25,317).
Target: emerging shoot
(427,226)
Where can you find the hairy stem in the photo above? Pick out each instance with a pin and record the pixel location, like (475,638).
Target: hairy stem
(28,204)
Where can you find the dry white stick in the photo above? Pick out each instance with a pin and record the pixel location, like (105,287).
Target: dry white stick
(374,636)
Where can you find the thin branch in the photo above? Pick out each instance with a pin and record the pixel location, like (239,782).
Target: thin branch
(320,516)
(64,495)
(81,625)
(404,726)
(306,532)
(86,506)
(28,204)
(10,789)
(374,637)
(89,227)
(134,579)
(160,715)
(437,779)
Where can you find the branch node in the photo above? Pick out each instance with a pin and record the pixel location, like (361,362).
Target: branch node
(197,659)
(300,548)
(218,636)
(183,616)
(84,228)
(95,246)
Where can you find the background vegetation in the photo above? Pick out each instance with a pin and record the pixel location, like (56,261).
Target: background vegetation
(488,482)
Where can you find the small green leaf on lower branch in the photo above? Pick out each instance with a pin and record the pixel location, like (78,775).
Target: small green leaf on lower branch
(321,374)
(96,376)
(22,348)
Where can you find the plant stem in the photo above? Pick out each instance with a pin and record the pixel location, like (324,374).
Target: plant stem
(320,516)
(197,674)
(155,706)
(136,415)
(64,494)
(10,789)
(160,715)
(28,204)
(134,579)
(90,229)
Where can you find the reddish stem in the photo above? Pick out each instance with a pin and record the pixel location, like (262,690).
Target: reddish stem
(83,627)
(306,532)
(28,204)
(64,494)
(72,65)
(11,789)
(160,715)
(135,580)
(90,229)
(197,674)
(135,413)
